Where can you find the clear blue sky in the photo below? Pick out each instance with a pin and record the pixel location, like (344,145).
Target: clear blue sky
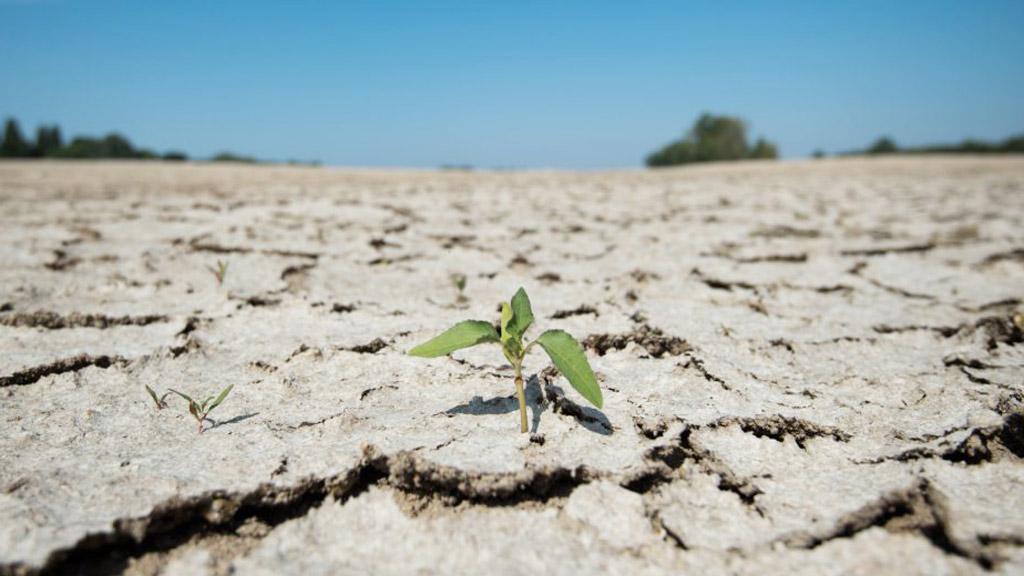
(514,84)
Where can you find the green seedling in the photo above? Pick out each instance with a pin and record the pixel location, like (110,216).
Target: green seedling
(160,401)
(200,410)
(219,272)
(516,317)
(459,281)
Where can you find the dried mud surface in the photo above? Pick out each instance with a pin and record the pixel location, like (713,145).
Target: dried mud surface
(808,368)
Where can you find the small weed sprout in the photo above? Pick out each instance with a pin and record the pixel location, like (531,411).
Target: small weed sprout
(200,410)
(219,272)
(565,352)
(459,281)
(160,401)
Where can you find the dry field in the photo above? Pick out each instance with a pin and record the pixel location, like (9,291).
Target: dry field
(808,368)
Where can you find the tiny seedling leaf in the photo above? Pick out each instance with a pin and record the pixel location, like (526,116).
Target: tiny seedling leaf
(522,314)
(460,282)
(183,395)
(220,398)
(571,361)
(159,403)
(462,335)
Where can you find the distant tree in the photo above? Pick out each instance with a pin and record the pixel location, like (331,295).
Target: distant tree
(719,138)
(14,144)
(818,153)
(710,139)
(112,145)
(1015,144)
(231,157)
(764,149)
(115,145)
(883,145)
(175,156)
(79,147)
(48,140)
(680,152)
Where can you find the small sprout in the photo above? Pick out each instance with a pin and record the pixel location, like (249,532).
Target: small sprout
(459,281)
(219,272)
(516,317)
(200,410)
(160,401)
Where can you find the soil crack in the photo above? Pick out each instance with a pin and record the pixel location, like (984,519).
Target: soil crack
(72,364)
(178,521)
(54,321)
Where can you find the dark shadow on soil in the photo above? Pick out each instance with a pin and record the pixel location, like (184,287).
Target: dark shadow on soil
(235,420)
(538,400)
(590,418)
(480,407)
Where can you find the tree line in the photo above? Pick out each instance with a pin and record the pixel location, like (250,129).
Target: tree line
(886,145)
(49,143)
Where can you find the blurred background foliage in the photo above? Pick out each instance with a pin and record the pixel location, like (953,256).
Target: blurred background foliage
(713,138)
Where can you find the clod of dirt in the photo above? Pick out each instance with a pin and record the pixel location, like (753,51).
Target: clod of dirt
(578,311)
(1001,330)
(62,261)
(992,443)
(651,339)
(372,347)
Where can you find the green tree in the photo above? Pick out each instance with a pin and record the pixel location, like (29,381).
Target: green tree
(1015,144)
(112,145)
(883,145)
(719,138)
(14,144)
(115,145)
(710,139)
(48,140)
(232,157)
(764,149)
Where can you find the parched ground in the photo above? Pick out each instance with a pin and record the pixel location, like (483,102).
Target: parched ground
(808,368)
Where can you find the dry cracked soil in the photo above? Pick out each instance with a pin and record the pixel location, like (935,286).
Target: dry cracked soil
(808,368)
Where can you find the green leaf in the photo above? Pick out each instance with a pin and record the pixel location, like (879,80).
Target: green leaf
(506,317)
(522,314)
(220,398)
(571,361)
(185,396)
(462,335)
(460,281)
(157,400)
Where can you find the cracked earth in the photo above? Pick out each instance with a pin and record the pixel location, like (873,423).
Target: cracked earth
(808,368)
